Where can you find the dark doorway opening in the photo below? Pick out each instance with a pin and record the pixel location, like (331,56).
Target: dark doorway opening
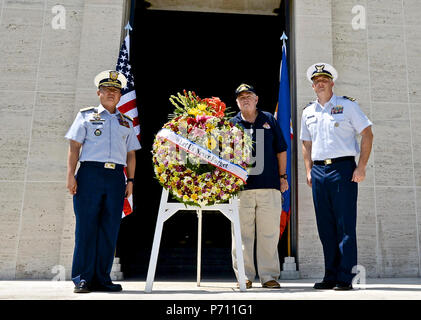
(210,54)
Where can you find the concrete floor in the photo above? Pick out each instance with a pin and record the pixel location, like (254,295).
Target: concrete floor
(374,289)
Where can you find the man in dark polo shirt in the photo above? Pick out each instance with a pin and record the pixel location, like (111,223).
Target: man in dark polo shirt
(260,201)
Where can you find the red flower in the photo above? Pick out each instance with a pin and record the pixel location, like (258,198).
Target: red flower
(191,121)
(217,105)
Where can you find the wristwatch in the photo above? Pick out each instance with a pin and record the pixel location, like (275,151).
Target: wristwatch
(284,176)
(130,180)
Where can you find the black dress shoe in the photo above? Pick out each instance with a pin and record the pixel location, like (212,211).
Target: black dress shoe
(107,287)
(82,287)
(324,285)
(342,286)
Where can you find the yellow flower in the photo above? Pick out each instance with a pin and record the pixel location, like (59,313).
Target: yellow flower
(202,107)
(194,196)
(209,127)
(211,143)
(194,111)
(161,168)
(185,198)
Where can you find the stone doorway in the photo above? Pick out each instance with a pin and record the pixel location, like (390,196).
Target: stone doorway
(211,54)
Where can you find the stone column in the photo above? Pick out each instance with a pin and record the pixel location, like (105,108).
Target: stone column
(47,75)
(379,65)
(99,47)
(314,43)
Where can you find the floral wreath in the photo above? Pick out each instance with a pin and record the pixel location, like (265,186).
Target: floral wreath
(199,155)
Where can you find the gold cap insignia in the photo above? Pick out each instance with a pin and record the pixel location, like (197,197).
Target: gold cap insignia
(113,75)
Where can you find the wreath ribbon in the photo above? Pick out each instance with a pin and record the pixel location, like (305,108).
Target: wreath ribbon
(203,153)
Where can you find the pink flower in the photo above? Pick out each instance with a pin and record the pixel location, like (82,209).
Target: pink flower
(196,132)
(202,118)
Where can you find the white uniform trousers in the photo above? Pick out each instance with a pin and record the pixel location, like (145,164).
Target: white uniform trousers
(260,214)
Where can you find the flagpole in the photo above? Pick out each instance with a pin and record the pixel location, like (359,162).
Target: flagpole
(128,28)
(289,266)
(284,38)
(289,239)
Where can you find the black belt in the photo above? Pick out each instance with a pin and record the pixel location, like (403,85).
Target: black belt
(330,161)
(106,165)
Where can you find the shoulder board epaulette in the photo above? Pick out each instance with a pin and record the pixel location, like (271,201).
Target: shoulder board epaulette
(309,104)
(86,109)
(349,98)
(126,116)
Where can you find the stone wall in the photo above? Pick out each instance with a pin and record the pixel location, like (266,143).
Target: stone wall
(378,64)
(47,75)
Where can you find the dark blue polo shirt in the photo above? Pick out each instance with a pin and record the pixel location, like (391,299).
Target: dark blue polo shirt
(274,143)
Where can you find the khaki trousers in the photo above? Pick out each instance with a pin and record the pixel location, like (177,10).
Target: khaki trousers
(260,214)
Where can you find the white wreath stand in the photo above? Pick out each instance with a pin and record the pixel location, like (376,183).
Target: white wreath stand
(168,209)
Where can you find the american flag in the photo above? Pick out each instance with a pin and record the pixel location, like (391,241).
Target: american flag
(127,104)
